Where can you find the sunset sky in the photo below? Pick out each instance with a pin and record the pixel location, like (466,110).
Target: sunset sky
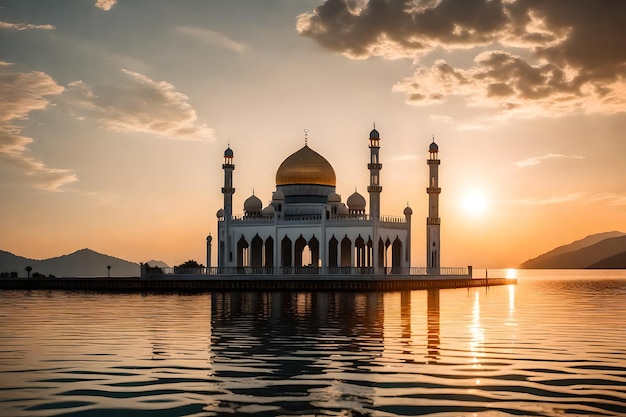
(114,116)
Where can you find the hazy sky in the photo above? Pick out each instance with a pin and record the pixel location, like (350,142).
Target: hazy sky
(114,116)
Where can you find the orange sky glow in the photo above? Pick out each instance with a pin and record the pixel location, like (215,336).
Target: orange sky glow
(115,116)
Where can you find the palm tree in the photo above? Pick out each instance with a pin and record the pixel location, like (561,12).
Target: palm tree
(28,269)
(108,271)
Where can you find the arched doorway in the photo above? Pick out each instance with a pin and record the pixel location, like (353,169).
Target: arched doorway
(269,252)
(256,251)
(346,249)
(242,252)
(381,254)
(359,252)
(396,256)
(314,245)
(285,252)
(332,252)
(300,246)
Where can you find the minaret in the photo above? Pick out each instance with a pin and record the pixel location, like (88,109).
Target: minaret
(228,190)
(433,222)
(374,166)
(209,239)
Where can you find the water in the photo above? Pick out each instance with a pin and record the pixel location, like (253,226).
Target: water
(553,345)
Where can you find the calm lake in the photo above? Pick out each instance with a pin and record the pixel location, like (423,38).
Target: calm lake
(553,345)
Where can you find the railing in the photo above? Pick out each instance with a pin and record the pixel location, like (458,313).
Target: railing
(392,219)
(262,218)
(349,217)
(302,217)
(316,217)
(310,270)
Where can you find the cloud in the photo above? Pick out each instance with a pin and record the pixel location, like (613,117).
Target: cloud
(536,160)
(138,104)
(568,57)
(609,199)
(105,5)
(210,37)
(534,201)
(24,92)
(24,26)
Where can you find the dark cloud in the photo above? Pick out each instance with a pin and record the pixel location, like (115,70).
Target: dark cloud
(574,50)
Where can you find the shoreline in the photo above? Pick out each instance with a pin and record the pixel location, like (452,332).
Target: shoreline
(246,283)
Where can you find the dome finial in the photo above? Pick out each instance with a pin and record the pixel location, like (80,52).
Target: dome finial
(374,125)
(306,137)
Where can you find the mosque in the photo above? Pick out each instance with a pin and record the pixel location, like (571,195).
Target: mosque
(306,228)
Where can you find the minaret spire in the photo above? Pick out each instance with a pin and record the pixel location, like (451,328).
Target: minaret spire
(224,248)
(433,222)
(374,166)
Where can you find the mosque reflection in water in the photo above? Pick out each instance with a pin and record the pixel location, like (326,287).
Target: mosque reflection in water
(298,334)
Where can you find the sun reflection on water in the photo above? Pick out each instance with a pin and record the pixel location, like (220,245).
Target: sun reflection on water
(477,332)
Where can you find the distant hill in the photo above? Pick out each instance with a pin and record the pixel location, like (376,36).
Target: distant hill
(158,264)
(613,262)
(82,263)
(581,254)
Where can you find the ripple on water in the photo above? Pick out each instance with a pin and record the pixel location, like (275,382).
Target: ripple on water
(537,350)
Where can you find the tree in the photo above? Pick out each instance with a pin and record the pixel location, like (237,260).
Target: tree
(28,269)
(190,264)
(188,267)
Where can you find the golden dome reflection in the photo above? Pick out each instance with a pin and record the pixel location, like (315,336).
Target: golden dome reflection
(305,167)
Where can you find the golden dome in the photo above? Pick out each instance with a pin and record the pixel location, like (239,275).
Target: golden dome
(305,167)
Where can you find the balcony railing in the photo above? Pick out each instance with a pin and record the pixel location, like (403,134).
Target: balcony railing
(315,217)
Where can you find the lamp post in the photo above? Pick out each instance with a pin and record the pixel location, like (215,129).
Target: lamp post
(108,271)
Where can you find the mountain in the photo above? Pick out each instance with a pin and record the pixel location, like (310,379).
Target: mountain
(582,253)
(612,262)
(82,263)
(157,264)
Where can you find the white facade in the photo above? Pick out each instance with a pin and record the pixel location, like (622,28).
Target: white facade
(307,225)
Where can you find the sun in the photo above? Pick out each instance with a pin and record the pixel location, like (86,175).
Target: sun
(474,202)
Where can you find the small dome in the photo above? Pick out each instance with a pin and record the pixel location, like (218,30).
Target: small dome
(268,211)
(433,147)
(408,211)
(342,210)
(253,204)
(278,196)
(305,167)
(374,134)
(356,201)
(220,213)
(334,198)
(228,153)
